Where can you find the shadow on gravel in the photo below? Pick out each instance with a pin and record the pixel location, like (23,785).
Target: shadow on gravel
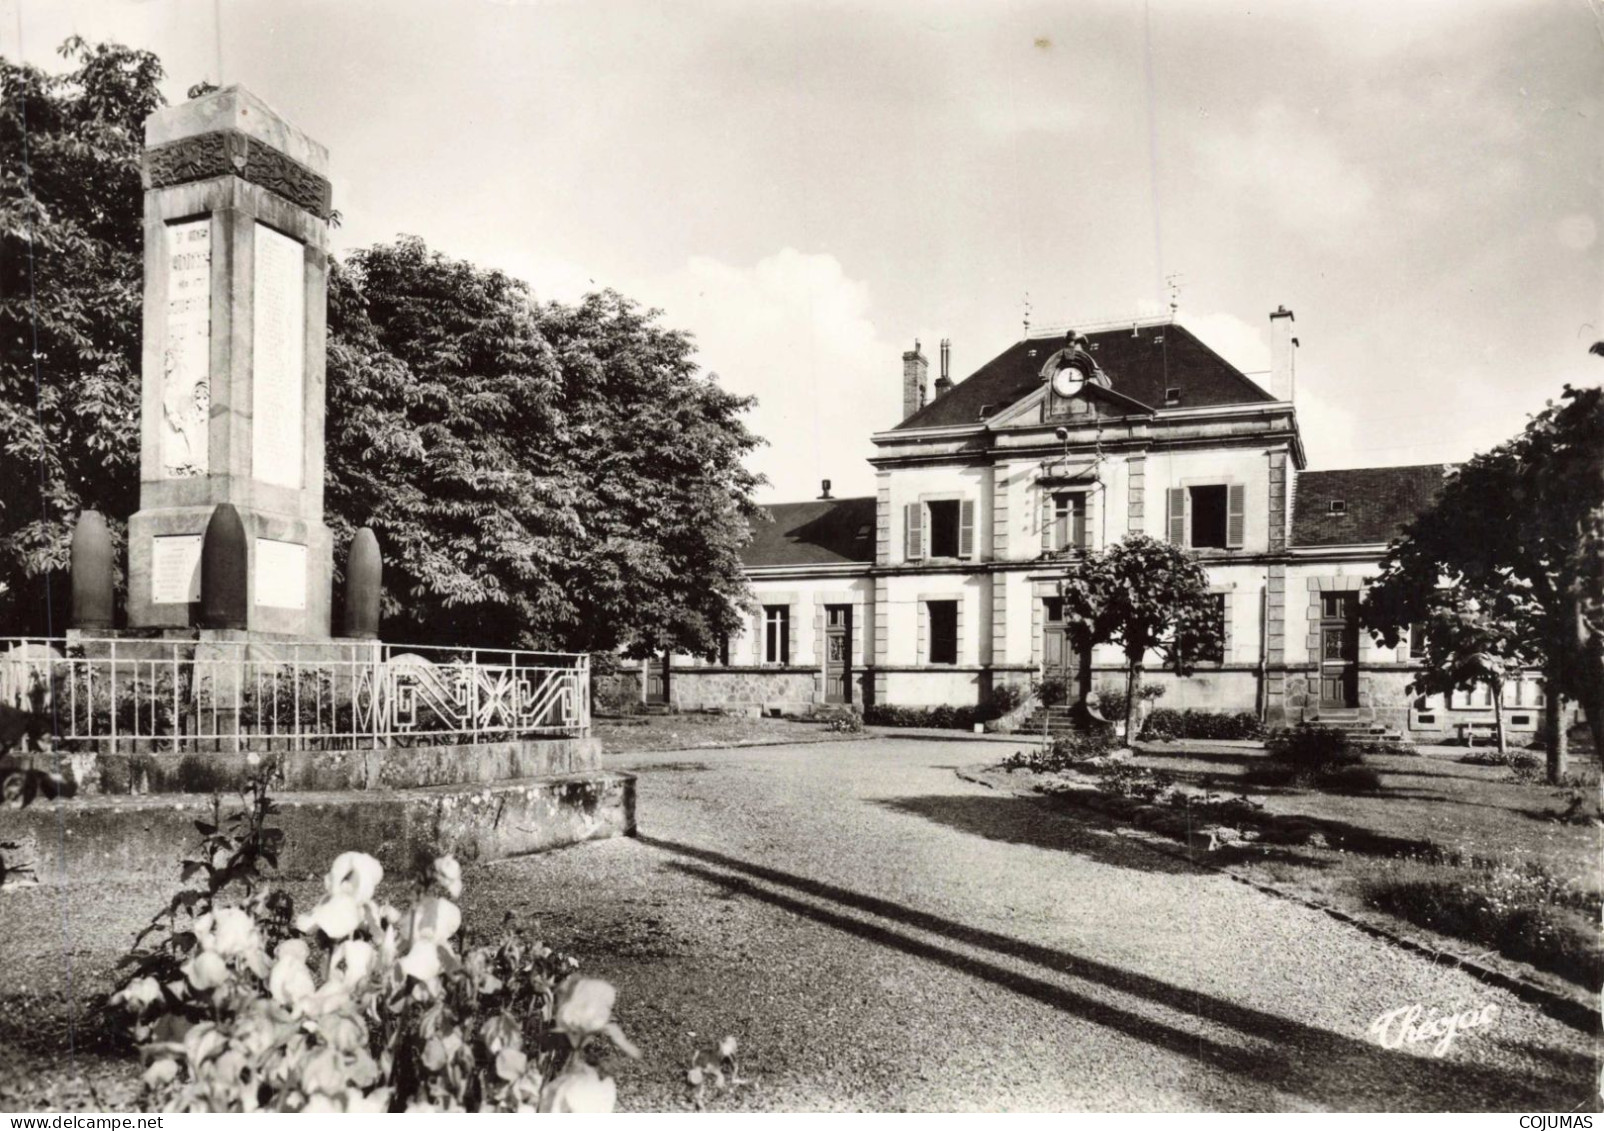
(1319,1066)
(1024,820)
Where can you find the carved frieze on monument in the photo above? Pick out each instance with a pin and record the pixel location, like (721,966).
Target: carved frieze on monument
(232,153)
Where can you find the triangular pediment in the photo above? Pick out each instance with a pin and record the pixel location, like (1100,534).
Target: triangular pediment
(1092,402)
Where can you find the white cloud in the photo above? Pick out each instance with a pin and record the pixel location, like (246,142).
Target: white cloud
(795,331)
(1288,167)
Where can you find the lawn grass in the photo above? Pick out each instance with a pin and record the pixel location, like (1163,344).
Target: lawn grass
(640,734)
(1466,854)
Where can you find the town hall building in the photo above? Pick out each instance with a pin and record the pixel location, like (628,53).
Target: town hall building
(945,583)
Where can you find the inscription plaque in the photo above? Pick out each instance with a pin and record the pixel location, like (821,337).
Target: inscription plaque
(175,577)
(280,574)
(278,360)
(186,388)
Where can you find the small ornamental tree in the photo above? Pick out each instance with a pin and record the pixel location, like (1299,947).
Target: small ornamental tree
(1145,596)
(1470,643)
(1513,533)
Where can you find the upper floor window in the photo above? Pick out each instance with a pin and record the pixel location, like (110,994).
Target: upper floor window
(1210,516)
(776,634)
(940,528)
(1417,641)
(1069,521)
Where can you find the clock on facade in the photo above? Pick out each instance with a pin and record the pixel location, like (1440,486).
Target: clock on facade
(1068,381)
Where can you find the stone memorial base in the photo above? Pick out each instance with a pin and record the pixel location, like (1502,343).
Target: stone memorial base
(131,816)
(291,560)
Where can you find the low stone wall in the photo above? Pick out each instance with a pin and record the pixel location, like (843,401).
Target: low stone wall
(92,839)
(387,767)
(743,691)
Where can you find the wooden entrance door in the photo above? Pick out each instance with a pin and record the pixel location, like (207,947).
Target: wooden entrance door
(657,680)
(838,653)
(1339,649)
(1058,660)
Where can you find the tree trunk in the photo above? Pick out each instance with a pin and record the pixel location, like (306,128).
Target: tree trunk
(1133,678)
(1554,727)
(1498,720)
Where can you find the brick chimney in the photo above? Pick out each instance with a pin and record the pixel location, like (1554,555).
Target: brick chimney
(915,381)
(1283,354)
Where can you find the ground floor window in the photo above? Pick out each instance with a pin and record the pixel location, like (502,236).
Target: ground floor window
(1216,654)
(943,631)
(776,634)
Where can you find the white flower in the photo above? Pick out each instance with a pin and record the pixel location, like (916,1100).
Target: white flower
(161,1072)
(355,874)
(351,962)
(206,970)
(290,982)
(579,1089)
(433,923)
(140,993)
(422,962)
(233,932)
(584,1005)
(448,875)
(727,1047)
(337,916)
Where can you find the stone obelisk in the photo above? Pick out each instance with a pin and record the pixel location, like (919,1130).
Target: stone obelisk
(236,277)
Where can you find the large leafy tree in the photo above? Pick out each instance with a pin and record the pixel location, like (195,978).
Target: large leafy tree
(542,475)
(1147,597)
(539,475)
(70,293)
(1513,534)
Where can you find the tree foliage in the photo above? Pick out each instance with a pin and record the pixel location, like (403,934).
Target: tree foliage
(1145,596)
(70,295)
(540,475)
(1512,535)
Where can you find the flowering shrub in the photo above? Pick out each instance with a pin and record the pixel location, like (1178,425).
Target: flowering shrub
(1087,750)
(359,1006)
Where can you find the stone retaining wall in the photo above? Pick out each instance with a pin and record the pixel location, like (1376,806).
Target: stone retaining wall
(388,767)
(90,840)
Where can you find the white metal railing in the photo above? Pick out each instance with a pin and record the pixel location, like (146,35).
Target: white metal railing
(149,696)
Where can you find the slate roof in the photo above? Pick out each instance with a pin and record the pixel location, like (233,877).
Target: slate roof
(1376,502)
(1140,365)
(819,532)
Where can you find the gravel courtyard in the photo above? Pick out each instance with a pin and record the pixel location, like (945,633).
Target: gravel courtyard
(881,934)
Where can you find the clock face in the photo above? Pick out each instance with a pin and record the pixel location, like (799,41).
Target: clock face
(1068,381)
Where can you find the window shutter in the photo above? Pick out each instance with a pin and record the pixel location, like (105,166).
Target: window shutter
(966,529)
(1078,533)
(1048,520)
(913,531)
(1177,515)
(1235,519)
(785,635)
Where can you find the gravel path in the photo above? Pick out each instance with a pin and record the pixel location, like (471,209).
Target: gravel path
(882,935)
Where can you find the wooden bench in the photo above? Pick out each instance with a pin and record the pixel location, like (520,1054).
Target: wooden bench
(1469,731)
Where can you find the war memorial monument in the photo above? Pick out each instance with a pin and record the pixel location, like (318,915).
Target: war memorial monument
(230,650)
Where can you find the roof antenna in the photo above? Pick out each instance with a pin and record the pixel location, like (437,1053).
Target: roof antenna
(1173,285)
(1027,314)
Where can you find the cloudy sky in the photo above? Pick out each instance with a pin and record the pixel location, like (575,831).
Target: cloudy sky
(810,186)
